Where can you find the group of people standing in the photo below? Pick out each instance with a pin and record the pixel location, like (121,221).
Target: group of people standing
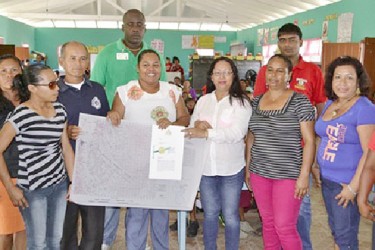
(268,142)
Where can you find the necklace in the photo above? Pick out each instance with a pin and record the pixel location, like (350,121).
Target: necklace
(337,109)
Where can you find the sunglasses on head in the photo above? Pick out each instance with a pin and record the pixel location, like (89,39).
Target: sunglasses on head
(51,85)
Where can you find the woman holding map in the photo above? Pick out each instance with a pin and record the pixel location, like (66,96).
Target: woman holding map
(148,101)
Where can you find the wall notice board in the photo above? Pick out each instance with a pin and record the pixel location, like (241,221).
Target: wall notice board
(201,66)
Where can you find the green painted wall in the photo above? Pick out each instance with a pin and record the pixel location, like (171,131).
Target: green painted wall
(48,39)
(363,22)
(16,33)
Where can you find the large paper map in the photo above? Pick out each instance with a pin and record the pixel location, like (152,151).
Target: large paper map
(112,167)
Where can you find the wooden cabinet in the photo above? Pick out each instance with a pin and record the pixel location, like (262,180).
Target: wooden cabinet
(22,53)
(364,51)
(369,60)
(333,50)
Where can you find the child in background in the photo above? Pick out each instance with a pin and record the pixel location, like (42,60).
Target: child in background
(190,104)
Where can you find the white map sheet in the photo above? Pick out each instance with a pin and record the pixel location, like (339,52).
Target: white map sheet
(112,166)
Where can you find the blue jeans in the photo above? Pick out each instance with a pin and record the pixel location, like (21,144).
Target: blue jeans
(304,221)
(221,194)
(344,222)
(111,220)
(44,218)
(137,221)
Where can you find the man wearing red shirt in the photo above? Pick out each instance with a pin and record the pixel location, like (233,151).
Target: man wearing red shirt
(307,78)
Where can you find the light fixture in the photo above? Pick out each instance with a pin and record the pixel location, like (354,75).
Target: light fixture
(189,26)
(107,24)
(43,24)
(210,26)
(168,26)
(86,24)
(152,25)
(64,24)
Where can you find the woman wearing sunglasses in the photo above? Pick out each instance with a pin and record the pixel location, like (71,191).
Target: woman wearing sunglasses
(45,157)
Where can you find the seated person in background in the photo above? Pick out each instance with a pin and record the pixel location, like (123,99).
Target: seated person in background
(185,95)
(190,104)
(187,87)
(245,87)
(168,64)
(176,67)
(177,82)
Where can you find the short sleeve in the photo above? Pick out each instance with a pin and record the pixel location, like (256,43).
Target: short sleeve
(12,119)
(366,114)
(63,110)
(174,92)
(304,109)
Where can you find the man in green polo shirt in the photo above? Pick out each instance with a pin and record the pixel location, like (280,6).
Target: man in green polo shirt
(116,64)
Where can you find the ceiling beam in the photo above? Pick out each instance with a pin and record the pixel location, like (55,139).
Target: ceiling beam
(53,16)
(99,7)
(161,7)
(71,7)
(116,6)
(11,3)
(20,5)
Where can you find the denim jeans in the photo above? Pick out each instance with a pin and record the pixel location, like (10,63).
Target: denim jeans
(344,222)
(304,221)
(136,223)
(44,218)
(111,220)
(221,194)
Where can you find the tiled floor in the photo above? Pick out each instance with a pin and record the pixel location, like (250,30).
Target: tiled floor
(320,232)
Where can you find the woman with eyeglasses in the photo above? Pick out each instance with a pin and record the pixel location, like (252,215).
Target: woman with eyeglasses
(279,164)
(344,128)
(12,227)
(222,117)
(45,157)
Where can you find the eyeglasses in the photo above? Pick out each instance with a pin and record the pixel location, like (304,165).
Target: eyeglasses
(51,85)
(224,73)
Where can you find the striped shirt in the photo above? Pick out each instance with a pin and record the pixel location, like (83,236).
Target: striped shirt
(41,162)
(277,148)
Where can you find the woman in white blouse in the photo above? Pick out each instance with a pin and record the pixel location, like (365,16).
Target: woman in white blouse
(222,118)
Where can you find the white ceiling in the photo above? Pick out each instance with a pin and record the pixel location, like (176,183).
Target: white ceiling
(222,14)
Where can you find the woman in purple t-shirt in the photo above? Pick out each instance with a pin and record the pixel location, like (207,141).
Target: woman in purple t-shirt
(344,128)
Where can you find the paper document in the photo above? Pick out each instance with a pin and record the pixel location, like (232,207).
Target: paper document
(167,148)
